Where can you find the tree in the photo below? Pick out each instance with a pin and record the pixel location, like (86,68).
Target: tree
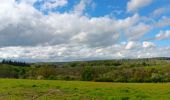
(46,71)
(157,77)
(87,74)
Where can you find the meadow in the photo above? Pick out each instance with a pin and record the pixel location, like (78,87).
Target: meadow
(24,89)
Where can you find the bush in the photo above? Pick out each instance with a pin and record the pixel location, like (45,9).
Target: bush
(68,78)
(52,77)
(156,77)
(40,77)
(46,71)
(107,77)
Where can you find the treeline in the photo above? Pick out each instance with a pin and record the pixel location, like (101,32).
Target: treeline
(15,63)
(135,74)
(113,63)
(129,70)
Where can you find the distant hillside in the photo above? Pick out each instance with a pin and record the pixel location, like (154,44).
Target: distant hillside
(108,60)
(162,58)
(115,70)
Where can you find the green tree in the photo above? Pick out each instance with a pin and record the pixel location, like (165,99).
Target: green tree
(46,71)
(87,74)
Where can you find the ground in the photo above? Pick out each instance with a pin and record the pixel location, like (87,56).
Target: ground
(20,89)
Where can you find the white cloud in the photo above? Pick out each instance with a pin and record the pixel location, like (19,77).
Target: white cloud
(26,33)
(30,2)
(132,45)
(163,35)
(163,22)
(82,5)
(134,5)
(148,44)
(81,52)
(154,52)
(137,31)
(23,25)
(50,4)
(159,11)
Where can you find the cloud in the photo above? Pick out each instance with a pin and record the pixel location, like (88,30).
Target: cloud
(30,2)
(137,31)
(134,5)
(132,45)
(148,44)
(154,52)
(81,52)
(159,11)
(163,35)
(24,25)
(50,4)
(163,22)
(82,5)
(27,33)
(136,45)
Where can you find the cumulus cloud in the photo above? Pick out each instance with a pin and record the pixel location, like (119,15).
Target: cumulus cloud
(82,5)
(163,22)
(56,53)
(30,2)
(132,45)
(136,45)
(26,26)
(27,33)
(159,11)
(50,4)
(153,52)
(134,5)
(163,35)
(148,44)
(81,52)
(136,32)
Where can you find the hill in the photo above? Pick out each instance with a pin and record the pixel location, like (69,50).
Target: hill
(119,70)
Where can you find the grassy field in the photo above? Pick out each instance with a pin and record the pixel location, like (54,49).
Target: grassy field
(17,89)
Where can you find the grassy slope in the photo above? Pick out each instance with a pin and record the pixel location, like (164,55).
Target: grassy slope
(12,89)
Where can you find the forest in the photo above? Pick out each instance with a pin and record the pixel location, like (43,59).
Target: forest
(120,70)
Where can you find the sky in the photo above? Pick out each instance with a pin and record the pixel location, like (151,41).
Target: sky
(71,30)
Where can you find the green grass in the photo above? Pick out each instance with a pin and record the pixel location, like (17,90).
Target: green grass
(18,89)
